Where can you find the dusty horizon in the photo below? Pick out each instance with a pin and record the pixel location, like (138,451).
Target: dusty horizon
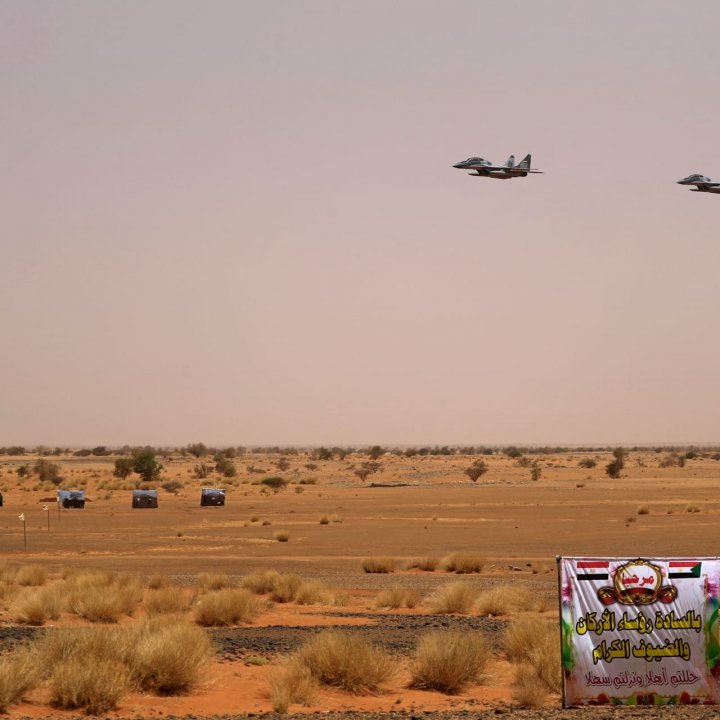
(245,223)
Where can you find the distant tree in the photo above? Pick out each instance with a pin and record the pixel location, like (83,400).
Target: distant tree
(15,450)
(197,449)
(47,471)
(536,471)
(146,466)
(321,453)
(614,468)
(100,451)
(476,470)
(23,471)
(513,452)
(282,464)
(225,466)
(376,451)
(123,467)
(83,452)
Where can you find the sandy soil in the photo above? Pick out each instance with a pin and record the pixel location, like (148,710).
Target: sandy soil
(426,506)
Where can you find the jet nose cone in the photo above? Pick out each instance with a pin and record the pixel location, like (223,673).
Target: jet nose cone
(459,166)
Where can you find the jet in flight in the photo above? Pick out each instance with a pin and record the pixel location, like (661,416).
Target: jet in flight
(485,168)
(701,183)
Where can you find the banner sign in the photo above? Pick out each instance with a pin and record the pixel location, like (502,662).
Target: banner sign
(641,631)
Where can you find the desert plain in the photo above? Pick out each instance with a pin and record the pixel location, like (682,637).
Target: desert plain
(323,525)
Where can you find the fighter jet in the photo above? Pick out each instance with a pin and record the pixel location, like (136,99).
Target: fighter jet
(701,183)
(485,168)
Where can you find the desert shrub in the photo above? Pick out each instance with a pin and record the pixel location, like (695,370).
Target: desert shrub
(397,597)
(476,470)
(214,581)
(335,518)
(346,661)
(457,597)
(693,508)
(266,522)
(291,685)
(282,535)
(275,482)
(172,486)
(448,661)
(285,588)
(428,564)
(156,582)
(379,565)
(167,601)
(169,655)
(19,673)
(462,563)
(95,686)
(227,607)
(587,462)
(324,520)
(260,582)
(31,575)
(643,510)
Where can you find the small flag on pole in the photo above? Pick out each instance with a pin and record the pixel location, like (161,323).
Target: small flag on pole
(21,517)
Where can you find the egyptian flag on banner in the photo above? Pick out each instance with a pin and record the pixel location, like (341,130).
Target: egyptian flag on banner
(591,569)
(684,569)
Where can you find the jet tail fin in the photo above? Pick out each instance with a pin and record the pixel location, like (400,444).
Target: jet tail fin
(525,162)
(510,162)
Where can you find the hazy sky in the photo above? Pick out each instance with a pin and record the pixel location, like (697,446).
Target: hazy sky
(237,222)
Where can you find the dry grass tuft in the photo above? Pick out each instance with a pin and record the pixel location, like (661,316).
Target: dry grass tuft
(169,655)
(19,673)
(509,599)
(227,607)
(158,582)
(31,576)
(448,661)
(95,686)
(428,564)
(292,685)
(285,588)
(532,644)
(462,563)
(643,510)
(93,667)
(35,607)
(379,565)
(397,597)
(457,597)
(528,690)
(214,581)
(260,582)
(317,593)
(167,601)
(282,535)
(346,661)
(103,597)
